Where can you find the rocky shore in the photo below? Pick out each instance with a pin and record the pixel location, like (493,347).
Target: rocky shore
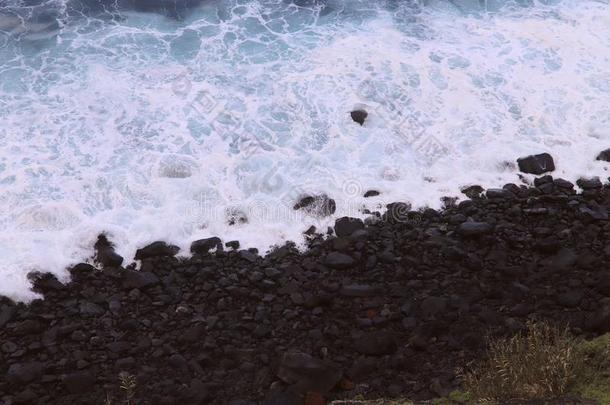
(388,307)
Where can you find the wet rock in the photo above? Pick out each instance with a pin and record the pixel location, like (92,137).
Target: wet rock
(590,183)
(233,244)
(345,226)
(203,246)
(397,212)
(248,255)
(308,373)
(236,216)
(536,164)
(82,270)
(156,249)
(316,205)
(563,184)
(359,116)
(105,253)
(604,155)
(474,191)
(45,282)
(498,193)
(371,193)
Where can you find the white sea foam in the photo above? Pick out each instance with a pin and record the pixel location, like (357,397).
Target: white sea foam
(149,128)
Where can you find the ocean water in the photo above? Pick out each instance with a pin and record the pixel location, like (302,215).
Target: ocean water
(157,120)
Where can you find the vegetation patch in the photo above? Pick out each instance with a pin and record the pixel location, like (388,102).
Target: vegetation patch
(540,363)
(593,381)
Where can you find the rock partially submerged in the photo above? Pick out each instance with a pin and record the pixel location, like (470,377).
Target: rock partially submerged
(156,249)
(536,164)
(105,253)
(359,116)
(604,155)
(317,205)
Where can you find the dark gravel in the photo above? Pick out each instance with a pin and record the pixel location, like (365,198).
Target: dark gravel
(390,307)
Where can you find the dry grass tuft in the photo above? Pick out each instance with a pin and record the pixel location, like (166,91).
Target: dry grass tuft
(540,363)
(128,386)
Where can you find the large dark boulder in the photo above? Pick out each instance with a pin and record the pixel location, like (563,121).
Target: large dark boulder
(45,282)
(589,183)
(397,212)
(82,271)
(346,226)
(536,164)
(203,246)
(156,249)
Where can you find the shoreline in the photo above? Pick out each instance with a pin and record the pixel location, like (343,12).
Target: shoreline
(387,307)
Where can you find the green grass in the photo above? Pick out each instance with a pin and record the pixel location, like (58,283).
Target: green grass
(593,381)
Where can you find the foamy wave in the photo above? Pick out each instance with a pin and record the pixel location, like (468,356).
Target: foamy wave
(147,127)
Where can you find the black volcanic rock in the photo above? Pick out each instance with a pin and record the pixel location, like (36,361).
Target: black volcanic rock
(498,193)
(397,212)
(407,298)
(471,229)
(316,205)
(346,226)
(139,279)
(590,183)
(359,116)
(474,191)
(536,164)
(338,260)
(105,253)
(203,246)
(604,155)
(82,270)
(156,249)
